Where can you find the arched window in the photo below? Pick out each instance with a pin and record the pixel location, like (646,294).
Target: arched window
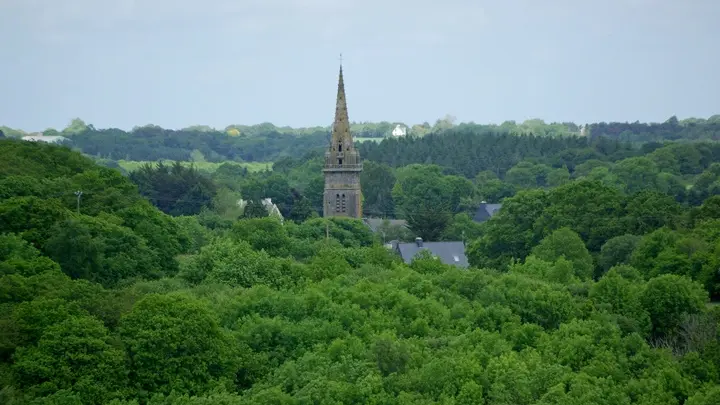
(343,209)
(340,147)
(337,202)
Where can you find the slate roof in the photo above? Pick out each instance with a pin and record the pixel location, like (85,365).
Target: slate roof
(375,223)
(486,211)
(452,253)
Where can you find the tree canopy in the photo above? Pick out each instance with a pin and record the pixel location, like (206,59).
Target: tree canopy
(594,283)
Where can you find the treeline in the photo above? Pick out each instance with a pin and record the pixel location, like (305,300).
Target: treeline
(266,142)
(440,200)
(615,203)
(467,151)
(690,129)
(151,143)
(110,301)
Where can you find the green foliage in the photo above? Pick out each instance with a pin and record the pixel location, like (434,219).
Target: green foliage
(255,209)
(237,264)
(616,251)
(154,330)
(117,235)
(152,143)
(75,354)
(197,234)
(17,256)
(348,232)
(426,200)
(565,243)
(123,304)
(511,233)
(462,227)
(377,181)
(668,297)
(100,251)
(618,295)
(176,189)
(266,233)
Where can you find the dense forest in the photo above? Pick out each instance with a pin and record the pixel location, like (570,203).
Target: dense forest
(266,142)
(592,285)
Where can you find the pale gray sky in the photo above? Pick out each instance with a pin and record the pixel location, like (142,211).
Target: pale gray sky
(175,63)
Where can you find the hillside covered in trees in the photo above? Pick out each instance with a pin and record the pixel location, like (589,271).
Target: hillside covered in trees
(266,142)
(591,286)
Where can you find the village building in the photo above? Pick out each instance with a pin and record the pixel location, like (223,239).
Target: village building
(452,253)
(486,211)
(271,207)
(46,139)
(399,131)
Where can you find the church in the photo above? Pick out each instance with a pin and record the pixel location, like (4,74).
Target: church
(342,197)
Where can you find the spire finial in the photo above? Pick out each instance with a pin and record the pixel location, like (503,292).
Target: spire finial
(341,59)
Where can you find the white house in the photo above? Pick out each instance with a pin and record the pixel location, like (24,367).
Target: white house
(583,130)
(41,138)
(399,130)
(272,209)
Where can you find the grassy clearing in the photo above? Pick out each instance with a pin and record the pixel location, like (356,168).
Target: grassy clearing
(132,165)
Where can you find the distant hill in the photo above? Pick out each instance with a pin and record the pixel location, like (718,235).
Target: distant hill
(266,142)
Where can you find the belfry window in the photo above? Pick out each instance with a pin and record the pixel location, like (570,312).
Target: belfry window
(340,147)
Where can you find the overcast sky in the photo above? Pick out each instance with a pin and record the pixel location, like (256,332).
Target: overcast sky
(175,63)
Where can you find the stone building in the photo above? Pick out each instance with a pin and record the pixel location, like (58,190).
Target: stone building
(342,197)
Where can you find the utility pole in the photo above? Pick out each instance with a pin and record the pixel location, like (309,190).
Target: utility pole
(79,195)
(327,223)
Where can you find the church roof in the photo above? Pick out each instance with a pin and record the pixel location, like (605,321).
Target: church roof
(341,125)
(341,155)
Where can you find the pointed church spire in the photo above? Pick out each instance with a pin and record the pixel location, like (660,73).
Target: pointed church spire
(341,125)
(343,196)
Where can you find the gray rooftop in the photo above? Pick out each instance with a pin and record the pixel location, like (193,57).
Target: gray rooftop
(452,253)
(486,211)
(375,223)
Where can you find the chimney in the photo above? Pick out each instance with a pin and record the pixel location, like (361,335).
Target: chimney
(418,241)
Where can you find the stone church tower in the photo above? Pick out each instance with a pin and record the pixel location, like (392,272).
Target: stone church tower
(342,165)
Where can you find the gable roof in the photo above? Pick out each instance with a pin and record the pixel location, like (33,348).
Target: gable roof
(452,253)
(375,223)
(486,211)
